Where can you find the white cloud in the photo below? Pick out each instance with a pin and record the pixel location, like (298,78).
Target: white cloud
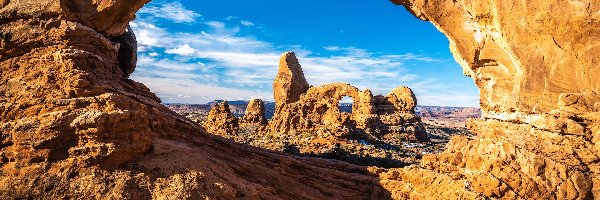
(183,50)
(147,35)
(216,24)
(173,11)
(246,23)
(410,56)
(188,91)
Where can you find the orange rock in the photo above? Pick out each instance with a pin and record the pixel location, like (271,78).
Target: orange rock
(220,121)
(403,99)
(289,83)
(538,97)
(72,126)
(255,113)
(316,110)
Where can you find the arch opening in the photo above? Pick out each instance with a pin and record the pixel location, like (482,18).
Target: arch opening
(345,104)
(244,71)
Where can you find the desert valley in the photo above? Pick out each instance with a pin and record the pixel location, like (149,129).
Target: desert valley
(388,132)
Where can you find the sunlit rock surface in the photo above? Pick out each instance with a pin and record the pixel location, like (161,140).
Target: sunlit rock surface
(316,109)
(220,121)
(290,82)
(72,126)
(255,113)
(536,65)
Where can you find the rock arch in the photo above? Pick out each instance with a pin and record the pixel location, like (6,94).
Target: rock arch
(329,96)
(68,116)
(316,110)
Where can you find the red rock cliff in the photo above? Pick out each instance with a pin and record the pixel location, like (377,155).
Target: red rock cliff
(536,65)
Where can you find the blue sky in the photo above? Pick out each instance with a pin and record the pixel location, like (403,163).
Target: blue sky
(198,51)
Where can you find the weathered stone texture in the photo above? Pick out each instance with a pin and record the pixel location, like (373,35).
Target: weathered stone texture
(316,109)
(255,113)
(220,121)
(535,63)
(289,83)
(72,126)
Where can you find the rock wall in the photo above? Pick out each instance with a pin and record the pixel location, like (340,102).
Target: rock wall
(302,109)
(529,65)
(535,63)
(73,126)
(63,91)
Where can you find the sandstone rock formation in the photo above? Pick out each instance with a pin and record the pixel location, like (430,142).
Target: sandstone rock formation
(290,82)
(316,109)
(403,99)
(255,113)
(220,121)
(73,126)
(539,137)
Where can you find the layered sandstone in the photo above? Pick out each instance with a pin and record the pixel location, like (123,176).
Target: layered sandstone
(72,125)
(220,121)
(535,63)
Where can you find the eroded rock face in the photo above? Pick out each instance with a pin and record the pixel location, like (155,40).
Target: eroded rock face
(105,16)
(316,110)
(538,137)
(73,126)
(403,99)
(289,83)
(62,88)
(255,113)
(220,121)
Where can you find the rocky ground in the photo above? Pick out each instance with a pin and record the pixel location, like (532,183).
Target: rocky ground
(441,124)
